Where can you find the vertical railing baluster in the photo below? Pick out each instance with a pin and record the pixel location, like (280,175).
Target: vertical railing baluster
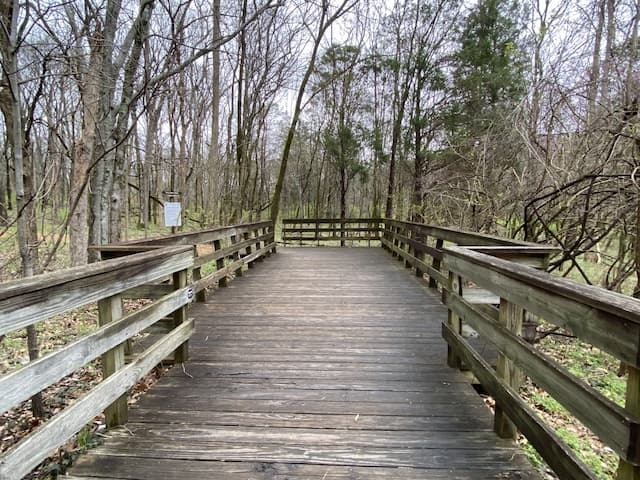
(110,310)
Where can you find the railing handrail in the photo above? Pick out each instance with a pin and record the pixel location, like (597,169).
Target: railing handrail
(31,300)
(135,274)
(483,270)
(193,238)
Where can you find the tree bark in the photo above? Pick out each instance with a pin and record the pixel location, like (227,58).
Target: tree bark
(323,24)
(11,106)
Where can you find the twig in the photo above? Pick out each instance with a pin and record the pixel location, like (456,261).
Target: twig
(185,372)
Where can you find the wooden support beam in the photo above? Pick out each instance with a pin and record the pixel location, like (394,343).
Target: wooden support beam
(196,275)
(246,236)
(510,316)
(236,256)
(453,320)
(180,316)
(220,264)
(258,245)
(433,283)
(110,310)
(626,470)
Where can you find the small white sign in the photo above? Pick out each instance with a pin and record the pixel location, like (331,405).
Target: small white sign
(172,214)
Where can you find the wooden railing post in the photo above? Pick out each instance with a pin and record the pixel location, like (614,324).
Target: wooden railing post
(258,234)
(110,310)
(510,316)
(409,234)
(454,321)
(626,470)
(217,246)
(384,234)
(181,353)
(433,283)
(196,274)
(396,242)
(419,253)
(236,256)
(271,228)
(246,236)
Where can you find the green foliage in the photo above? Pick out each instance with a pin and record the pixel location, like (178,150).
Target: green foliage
(490,66)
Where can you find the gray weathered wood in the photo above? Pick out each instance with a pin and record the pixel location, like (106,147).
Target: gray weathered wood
(608,320)
(315,364)
(38,375)
(25,302)
(510,316)
(607,419)
(20,459)
(549,445)
(110,310)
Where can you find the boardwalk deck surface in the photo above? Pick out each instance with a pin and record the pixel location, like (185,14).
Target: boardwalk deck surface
(322,364)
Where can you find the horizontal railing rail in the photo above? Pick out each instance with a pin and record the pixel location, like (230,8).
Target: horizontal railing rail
(422,247)
(33,300)
(607,320)
(491,285)
(171,271)
(330,230)
(219,252)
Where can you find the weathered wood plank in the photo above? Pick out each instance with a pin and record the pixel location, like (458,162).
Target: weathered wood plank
(604,417)
(310,382)
(21,458)
(198,237)
(608,320)
(142,468)
(549,445)
(25,302)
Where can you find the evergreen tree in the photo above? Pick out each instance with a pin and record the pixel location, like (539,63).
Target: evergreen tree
(490,66)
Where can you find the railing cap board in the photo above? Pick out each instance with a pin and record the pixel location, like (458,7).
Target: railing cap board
(481,239)
(190,238)
(534,249)
(614,303)
(305,221)
(21,286)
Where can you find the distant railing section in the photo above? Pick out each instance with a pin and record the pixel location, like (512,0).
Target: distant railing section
(219,252)
(327,231)
(172,271)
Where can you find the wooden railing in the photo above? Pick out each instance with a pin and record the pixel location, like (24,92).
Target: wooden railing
(355,231)
(153,269)
(489,283)
(422,247)
(218,251)
(604,319)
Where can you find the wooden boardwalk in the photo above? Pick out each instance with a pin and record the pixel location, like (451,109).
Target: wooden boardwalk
(320,363)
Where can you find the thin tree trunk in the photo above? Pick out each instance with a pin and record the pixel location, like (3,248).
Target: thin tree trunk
(323,24)
(10,103)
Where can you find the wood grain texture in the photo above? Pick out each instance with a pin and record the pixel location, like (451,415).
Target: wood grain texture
(320,363)
(29,452)
(28,301)
(606,319)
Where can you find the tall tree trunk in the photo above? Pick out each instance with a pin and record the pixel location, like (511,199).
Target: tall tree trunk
(214,148)
(10,104)
(594,73)
(323,24)
(4,180)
